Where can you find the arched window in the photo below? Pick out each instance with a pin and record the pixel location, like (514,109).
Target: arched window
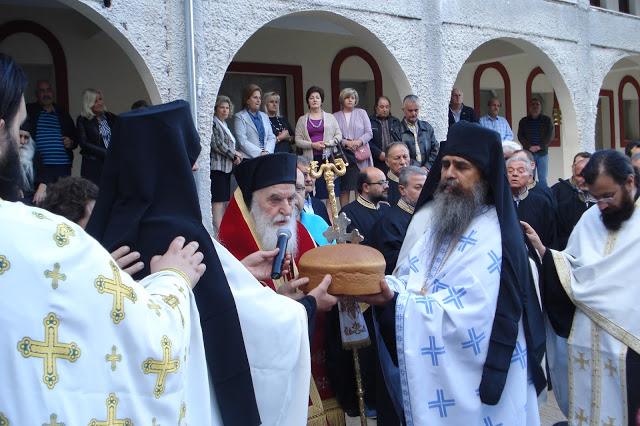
(605,126)
(59,58)
(629,110)
(477,90)
(335,73)
(555,140)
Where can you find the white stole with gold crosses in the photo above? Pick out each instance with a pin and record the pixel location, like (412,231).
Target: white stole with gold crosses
(598,272)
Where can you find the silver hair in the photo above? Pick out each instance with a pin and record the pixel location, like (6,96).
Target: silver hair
(301,160)
(526,161)
(346,92)
(410,99)
(409,171)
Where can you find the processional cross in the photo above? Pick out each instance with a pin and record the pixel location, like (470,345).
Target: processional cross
(331,170)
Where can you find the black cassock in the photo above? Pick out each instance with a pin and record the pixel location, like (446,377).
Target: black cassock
(537,211)
(363,215)
(571,205)
(393,193)
(561,310)
(388,233)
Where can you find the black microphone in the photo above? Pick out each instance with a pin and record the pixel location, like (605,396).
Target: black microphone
(283,239)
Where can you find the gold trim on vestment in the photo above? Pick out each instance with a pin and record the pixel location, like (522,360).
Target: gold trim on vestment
(530,185)
(368,204)
(572,412)
(622,368)
(3,419)
(607,325)
(596,374)
(393,177)
(406,207)
(316,414)
(334,412)
(521,196)
(179,272)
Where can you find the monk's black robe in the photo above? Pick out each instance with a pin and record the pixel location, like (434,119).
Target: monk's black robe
(537,211)
(571,205)
(388,233)
(363,215)
(393,193)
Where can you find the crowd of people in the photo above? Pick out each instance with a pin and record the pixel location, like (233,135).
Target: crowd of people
(487,268)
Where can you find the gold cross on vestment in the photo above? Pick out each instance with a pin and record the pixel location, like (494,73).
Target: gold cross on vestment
(40,215)
(581,417)
(113,358)
(161,368)
(112,405)
(152,305)
(56,275)
(4,264)
(49,350)
(3,420)
(610,367)
(581,361)
(173,302)
(118,290)
(63,232)
(54,421)
(611,420)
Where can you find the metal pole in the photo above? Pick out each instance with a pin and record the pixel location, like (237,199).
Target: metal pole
(191,60)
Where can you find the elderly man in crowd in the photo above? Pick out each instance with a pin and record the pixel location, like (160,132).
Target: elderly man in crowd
(495,122)
(388,232)
(590,295)
(417,134)
(386,130)
(397,158)
(464,325)
(532,207)
(459,111)
(368,207)
(264,203)
(572,198)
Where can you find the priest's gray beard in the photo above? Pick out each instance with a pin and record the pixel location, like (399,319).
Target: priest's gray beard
(268,230)
(26,152)
(453,211)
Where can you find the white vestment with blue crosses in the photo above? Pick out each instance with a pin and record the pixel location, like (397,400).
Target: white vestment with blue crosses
(442,336)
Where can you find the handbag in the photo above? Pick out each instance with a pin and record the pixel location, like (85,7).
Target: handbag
(363,153)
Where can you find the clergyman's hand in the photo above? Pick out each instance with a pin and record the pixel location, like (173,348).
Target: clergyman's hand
(534,238)
(260,263)
(127,260)
(324,300)
(185,258)
(289,288)
(378,299)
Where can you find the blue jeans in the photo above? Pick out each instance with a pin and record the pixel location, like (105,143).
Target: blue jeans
(542,166)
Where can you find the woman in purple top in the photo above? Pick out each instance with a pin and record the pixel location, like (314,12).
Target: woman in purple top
(355,126)
(318,134)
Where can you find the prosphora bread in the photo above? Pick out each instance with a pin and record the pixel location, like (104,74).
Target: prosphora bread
(354,268)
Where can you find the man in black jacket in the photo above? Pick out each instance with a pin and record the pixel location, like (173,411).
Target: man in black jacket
(534,133)
(386,130)
(459,111)
(418,135)
(53,133)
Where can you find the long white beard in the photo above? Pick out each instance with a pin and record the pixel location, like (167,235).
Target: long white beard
(26,153)
(268,230)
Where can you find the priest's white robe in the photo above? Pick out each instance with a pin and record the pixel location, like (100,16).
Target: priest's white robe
(442,336)
(276,339)
(598,271)
(83,342)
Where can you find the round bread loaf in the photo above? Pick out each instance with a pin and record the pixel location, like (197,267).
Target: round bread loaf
(354,268)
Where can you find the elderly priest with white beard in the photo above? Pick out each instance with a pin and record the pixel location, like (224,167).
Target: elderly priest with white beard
(461,336)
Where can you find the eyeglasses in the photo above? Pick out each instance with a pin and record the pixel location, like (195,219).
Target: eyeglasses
(591,199)
(381,183)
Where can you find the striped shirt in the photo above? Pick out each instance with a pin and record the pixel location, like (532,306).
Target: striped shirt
(49,139)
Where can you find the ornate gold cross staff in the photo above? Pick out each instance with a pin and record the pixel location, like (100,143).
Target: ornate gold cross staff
(331,170)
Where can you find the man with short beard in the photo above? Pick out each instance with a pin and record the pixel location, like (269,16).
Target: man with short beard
(264,203)
(591,296)
(462,333)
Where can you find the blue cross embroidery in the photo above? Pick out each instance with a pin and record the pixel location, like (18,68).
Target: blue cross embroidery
(439,285)
(497,262)
(433,350)
(474,341)
(467,241)
(441,403)
(455,296)
(478,392)
(412,263)
(427,301)
(488,422)
(520,354)
(530,381)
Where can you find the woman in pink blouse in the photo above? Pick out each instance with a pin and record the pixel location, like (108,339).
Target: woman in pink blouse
(356,132)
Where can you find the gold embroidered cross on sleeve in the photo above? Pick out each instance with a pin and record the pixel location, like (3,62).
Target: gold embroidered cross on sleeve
(54,421)
(63,232)
(162,368)
(113,358)
(118,290)
(55,275)
(49,350)
(112,405)
(4,264)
